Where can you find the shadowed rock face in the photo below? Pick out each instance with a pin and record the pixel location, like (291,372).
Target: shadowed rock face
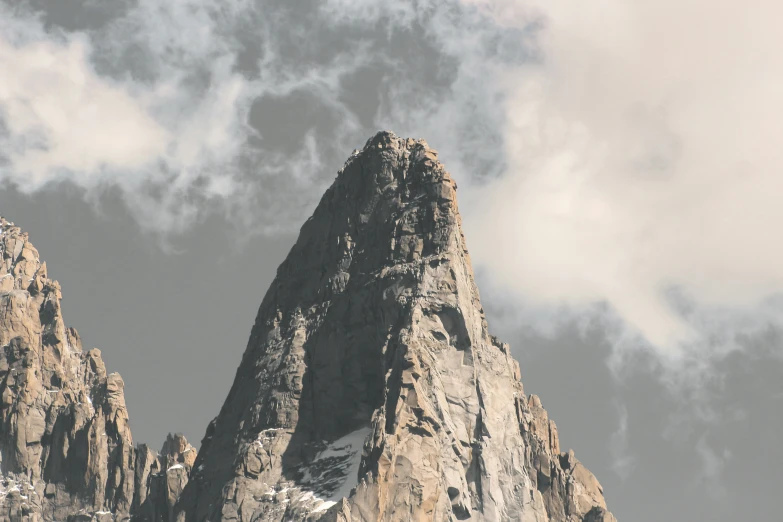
(160,478)
(371,389)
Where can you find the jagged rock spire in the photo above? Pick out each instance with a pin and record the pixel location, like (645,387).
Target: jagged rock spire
(65,442)
(371,389)
(66,450)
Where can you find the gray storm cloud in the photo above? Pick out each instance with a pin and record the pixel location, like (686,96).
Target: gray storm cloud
(625,153)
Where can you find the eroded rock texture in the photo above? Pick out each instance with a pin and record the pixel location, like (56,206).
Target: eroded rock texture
(371,389)
(66,451)
(65,444)
(160,478)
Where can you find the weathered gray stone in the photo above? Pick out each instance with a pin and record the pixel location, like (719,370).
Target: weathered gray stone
(371,388)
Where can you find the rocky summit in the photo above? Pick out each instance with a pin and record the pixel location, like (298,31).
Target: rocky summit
(371,388)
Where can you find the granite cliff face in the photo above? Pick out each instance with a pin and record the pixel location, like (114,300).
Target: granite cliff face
(371,389)
(66,450)
(160,478)
(64,436)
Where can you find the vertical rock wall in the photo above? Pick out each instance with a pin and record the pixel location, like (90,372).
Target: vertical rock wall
(65,444)
(371,389)
(66,451)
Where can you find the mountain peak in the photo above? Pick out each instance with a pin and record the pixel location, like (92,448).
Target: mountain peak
(370,388)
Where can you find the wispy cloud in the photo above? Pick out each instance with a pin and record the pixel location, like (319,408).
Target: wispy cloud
(64,121)
(59,116)
(623,463)
(153,104)
(712,465)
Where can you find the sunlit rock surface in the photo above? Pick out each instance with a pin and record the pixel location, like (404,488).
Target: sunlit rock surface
(65,444)
(66,450)
(373,335)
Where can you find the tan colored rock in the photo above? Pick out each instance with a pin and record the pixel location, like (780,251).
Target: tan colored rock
(371,389)
(161,478)
(64,437)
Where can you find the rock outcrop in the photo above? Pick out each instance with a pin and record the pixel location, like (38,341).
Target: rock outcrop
(371,389)
(66,450)
(160,478)
(65,444)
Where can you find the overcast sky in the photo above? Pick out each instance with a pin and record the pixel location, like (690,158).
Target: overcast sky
(619,170)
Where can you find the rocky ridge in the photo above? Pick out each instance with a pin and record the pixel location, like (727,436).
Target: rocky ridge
(370,388)
(66,450)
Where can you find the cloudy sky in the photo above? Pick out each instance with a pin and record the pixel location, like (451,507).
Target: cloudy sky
(619,169)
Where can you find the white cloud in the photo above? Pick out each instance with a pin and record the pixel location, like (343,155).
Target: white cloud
(159,142)
(62,119)
(171,130)
(643,158)
(634,169)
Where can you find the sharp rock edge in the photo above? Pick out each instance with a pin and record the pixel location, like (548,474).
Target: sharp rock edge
(370,388)
(66,450)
